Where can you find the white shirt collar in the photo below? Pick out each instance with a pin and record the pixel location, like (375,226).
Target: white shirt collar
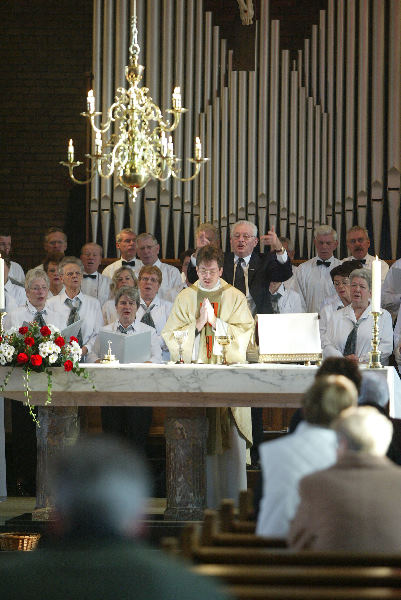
(131,325)
(155,301)
(34,310)
(214,289)
(246,259)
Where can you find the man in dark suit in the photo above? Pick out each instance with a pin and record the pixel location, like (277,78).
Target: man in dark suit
(355,504)
(100,489)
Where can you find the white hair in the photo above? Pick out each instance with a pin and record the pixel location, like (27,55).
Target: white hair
(326,230)
(34,274)
(364,429)
(248,223)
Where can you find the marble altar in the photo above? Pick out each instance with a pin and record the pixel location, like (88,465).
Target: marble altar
(186,390)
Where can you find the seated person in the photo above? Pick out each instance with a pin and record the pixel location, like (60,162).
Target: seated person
(94,283)
(310,448)
(35,307)
(352,506)
(122,277)
(208,308)
(282,299)
(342,297)
(72,305)
(50,267)
(131,421)
(349,331)
(153,311)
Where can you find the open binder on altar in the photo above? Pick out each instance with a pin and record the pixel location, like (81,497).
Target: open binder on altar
(292,337)
(133,348)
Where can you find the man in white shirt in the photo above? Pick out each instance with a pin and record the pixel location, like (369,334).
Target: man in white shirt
(72,305)
(14,294)
(126,245)
(94,283)
(358,243)
(148,251)
(152,310)
(284,300)
(16,273)
(312,278)
(391,290)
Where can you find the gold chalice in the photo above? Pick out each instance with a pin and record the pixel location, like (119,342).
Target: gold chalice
(224,341)
(180,335)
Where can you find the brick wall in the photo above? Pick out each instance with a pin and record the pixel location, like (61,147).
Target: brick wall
(45,58)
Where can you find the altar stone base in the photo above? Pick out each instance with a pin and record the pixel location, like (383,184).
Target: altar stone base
(59,427)
(186,432)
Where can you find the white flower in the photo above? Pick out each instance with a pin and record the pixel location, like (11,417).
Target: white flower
(47,348)
(6,353)
(54,330)
(11,330)
(53,358)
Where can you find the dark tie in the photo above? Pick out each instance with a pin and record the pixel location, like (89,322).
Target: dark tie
(362,260)
(239,279)
(128,263)
(326,263)
(39,318)
(74,315)
(147,317)
(87,276)
(350,344)
(274,298)
(123,329)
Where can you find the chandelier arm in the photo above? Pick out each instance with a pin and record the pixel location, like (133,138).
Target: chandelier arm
(184,179)
(106,126)
(71,167)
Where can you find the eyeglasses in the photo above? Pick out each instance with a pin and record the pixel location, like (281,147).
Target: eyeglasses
(204,271)
(245,236)
(151,279)
(37,288)
(72,273)
(343,282)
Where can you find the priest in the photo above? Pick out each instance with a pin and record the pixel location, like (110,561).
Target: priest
(209,308)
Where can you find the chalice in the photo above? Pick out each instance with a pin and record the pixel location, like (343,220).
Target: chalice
(109,358)
(180,335)
(224,341)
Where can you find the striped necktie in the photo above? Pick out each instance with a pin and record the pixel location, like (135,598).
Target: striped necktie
(147,317)
(74,315)
(350,344)
(125,330)
(39,318)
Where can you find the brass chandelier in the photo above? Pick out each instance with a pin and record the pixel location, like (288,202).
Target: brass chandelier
(132,142)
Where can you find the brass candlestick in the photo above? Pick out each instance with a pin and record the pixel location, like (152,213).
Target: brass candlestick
(224,341)
(374,354)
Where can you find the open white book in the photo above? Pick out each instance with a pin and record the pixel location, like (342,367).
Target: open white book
(289,333)
(133,348)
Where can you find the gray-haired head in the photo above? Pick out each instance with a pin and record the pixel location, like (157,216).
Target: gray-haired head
(327,397)
(70,260)
(99,487)
(243,222)
(33,275)
(364,429)
(362,274)
(131,292)
(374,390)
(325,230)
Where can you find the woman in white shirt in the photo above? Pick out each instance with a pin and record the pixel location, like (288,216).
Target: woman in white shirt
(349,331)
(123,277)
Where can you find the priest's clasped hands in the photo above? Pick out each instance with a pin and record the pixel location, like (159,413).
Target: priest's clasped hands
(206,315)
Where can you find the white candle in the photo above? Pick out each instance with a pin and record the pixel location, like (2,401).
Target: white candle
(198,149)
(2,296)
(170,146)
(70,151)
(177,98)
(98,143)
(376,285)
(90,100)
(163,145)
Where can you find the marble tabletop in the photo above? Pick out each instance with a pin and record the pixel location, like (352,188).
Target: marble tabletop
(272,385)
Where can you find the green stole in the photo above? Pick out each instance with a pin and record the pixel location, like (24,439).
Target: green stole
(219,418)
